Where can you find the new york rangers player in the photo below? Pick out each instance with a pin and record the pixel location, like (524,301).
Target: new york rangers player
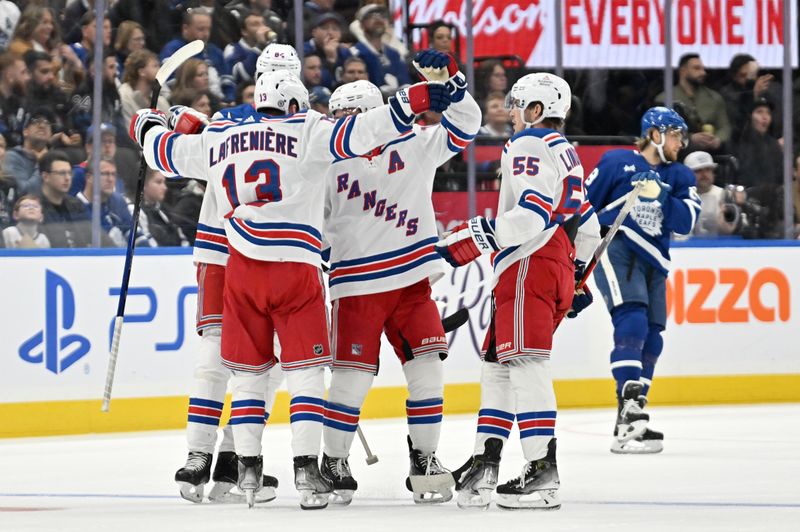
(632,275)
(381,228)
(210,376)
(268,174)
(541,205)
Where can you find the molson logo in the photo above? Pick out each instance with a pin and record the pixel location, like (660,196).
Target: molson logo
(511,27)
(743,296)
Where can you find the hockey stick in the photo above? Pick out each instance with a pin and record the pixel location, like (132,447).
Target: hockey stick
(630,200)
(371,458)
(449,323)
(170,65)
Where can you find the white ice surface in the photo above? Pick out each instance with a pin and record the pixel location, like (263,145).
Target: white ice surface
(734,468)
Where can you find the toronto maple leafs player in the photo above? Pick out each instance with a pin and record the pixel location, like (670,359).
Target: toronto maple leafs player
(632,275)
(269,176)
(541,211)
(381,227)
(210,376)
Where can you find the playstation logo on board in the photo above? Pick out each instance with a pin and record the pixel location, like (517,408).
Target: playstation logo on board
(50,346)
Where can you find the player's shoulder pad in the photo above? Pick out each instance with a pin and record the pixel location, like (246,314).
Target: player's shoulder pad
(538,138)
(621,155)
(680,174)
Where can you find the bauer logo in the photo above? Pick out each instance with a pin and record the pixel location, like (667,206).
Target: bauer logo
(58,351)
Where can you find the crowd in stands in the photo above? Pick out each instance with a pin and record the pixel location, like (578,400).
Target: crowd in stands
(46,92)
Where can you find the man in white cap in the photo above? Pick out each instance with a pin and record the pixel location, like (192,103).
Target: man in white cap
(717,217)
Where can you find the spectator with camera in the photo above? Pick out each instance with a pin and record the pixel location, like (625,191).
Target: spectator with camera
(718,216)
(745,86)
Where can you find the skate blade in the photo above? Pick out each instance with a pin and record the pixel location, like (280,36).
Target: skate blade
(310,500)
(341,497)
(541,500)
(474,499)
(250,497)
(433,497)
(222,493)
(430,483)
(629,432)
(191,493)
(636,447)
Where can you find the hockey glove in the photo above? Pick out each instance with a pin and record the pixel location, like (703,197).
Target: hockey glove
(142,121)
(653,188)
(438,66)
(419,98)
(186,120)
(580,300)
(582,297)
(468,241)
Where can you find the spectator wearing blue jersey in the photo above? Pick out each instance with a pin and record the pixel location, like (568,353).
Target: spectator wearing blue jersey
(197,25)
(326,36)
(115,219)
(632,275)
(385,66)
(84,47)
(242,55)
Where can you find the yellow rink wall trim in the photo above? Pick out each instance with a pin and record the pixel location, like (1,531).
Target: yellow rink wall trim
(161,413)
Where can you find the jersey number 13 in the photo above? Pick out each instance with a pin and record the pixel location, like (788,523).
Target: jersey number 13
(264,173)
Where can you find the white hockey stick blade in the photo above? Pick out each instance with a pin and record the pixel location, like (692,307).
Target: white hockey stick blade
(175,60)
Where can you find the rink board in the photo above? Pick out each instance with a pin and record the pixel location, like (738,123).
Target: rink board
(732,337)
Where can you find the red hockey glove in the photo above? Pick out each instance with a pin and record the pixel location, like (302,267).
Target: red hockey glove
(142,121)
(186,120)
(468,241)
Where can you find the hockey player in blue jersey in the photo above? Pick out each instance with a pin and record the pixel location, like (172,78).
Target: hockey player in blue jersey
(632,275)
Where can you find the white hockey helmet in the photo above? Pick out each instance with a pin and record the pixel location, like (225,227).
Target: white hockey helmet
(550,90)
(276,90)
(361,95)
(278,57)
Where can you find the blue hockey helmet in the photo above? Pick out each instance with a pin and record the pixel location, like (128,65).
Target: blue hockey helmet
(662,119)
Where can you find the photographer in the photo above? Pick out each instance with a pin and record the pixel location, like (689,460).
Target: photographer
(718,216)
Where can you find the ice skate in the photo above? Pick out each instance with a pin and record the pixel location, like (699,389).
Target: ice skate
(313,487)
(226,478)
(477,479)
(430,482)
(536,488)
(250,478)
(650,442)
(337,472)
(631,419)
(193,476)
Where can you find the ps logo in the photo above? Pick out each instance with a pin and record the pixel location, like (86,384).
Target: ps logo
(57,352)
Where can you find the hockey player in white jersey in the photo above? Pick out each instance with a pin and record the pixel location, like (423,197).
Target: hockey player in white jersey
(210,376)
(268,173)
(381,227)
(542,203)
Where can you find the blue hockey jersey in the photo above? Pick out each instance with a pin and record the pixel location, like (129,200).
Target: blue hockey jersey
(648,228)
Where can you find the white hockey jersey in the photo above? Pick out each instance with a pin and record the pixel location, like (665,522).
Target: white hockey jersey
(211,242)
(542,188)
(271,193)
(379,218)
